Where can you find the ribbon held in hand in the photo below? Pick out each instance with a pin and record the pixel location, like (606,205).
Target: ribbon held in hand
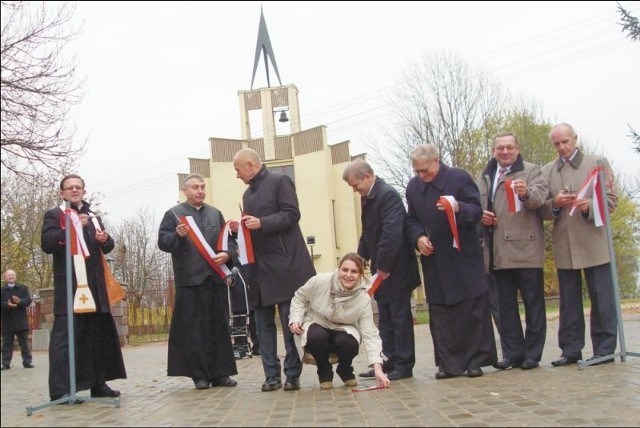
(513,201)
(448,202)
(245,244)
(203,246)
(376,280)
(598,204)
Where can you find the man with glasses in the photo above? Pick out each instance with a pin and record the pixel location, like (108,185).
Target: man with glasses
(393,259)
(444,210)
(98,355)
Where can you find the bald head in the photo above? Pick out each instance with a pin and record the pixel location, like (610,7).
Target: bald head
(247,164)
(10,276)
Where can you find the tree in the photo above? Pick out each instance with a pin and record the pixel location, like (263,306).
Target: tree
(635,138)
(630,24)
(625,229)
(442,102)
(138,261)
(39,86)
(23,205)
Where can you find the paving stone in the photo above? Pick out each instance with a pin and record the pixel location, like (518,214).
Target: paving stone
(604,395)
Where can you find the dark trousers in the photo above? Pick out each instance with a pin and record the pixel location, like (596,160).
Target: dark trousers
(322,341)
(518,345)
(495,308)
(268,337)
(604,324)
(7,346)
(395,324)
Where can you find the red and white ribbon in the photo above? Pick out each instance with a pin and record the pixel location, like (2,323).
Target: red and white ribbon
(376,280)
(513,201)
(203,246)
(83,301)
(245,244)
(598,204)
(448,202)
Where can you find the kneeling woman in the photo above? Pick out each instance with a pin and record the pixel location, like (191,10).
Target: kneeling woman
(332,314)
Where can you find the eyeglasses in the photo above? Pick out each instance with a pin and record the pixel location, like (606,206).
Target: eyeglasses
(424,170)
(73,188)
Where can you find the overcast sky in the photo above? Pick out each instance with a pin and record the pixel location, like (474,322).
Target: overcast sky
(163,77)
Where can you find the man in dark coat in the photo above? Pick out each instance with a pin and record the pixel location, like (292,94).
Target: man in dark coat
(282,262)
(199,337)
(97,348)
(457,290)
(393,258)
(15,322)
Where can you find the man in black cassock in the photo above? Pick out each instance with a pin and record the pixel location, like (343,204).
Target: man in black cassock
(98,357)
(199,337)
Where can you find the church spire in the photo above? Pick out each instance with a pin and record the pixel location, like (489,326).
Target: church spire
(264,46)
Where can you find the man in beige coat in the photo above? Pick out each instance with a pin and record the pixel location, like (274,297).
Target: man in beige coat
(514,249)
(579,246)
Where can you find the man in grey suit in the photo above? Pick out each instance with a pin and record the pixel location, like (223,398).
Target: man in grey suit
(579,245)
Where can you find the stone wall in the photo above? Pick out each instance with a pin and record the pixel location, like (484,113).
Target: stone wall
(119,312)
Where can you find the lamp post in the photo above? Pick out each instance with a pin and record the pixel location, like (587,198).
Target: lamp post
(111,261)
(311,240)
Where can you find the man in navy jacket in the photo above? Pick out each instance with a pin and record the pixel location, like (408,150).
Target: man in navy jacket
(392,257)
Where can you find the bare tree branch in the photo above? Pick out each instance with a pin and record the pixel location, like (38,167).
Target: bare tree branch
(39,86)
(630,23)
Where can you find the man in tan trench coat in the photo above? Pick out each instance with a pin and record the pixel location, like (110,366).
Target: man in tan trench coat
(579,246)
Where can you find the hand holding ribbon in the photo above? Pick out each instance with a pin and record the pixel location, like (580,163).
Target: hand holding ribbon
(203,247)
(376,280)
(598,204)
(513,201)
(245,244)
(448,203)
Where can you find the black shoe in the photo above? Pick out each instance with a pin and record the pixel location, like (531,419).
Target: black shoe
(200,384)
(5,367)
(223,381)
(271,384)
(507,363)
(565,361)
(57,397)
(104,391)
(396,375)
(368,373)
(443,375)
(292,383)
(255,350)
(596,356)
(477,372)
(529,364)
(28,366)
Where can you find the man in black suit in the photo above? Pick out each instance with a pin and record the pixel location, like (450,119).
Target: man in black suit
(15,322)
(392,257)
